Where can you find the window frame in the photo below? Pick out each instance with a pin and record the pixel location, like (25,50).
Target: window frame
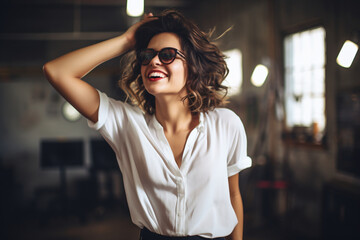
(292,136)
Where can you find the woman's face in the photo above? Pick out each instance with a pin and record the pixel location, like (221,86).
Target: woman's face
(165,79)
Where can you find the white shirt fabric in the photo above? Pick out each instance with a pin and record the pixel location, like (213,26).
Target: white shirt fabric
(191,200)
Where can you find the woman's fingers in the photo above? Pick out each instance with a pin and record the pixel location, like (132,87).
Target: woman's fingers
(148,15)
(130,33)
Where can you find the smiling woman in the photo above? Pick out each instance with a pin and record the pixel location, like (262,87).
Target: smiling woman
(206,67)
(179,153)
(164,80)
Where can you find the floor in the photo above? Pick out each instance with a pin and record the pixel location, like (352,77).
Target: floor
(112,225)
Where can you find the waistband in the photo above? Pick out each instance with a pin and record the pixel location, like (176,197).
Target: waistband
(146,234)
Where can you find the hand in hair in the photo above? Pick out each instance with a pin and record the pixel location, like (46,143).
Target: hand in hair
(130,33)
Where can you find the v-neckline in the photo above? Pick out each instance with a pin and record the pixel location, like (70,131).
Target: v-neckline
(189,141)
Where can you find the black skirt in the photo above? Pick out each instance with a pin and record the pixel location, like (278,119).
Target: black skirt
(145,234)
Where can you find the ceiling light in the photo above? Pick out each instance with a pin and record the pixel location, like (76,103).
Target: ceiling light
(347,54)
(135,8)
(259,75)
(70,113)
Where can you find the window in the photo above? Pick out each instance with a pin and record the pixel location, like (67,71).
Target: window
(305,81)
(234,79)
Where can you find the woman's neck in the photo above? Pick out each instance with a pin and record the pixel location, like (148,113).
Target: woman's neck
(174,115)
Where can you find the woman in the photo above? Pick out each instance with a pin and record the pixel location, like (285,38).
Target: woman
(179,154)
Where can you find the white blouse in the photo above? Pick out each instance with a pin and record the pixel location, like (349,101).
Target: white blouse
(191,200)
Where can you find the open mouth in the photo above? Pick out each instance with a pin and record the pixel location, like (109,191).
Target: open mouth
(156,75)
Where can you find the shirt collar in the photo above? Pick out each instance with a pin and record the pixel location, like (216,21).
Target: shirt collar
(154,123)
(200,127)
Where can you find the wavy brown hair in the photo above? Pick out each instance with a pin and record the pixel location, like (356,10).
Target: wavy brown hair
(206,65)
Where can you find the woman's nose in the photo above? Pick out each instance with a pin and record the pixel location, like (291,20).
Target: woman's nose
(155,60)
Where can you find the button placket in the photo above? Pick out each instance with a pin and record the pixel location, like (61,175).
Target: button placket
(180,210)
(181,181)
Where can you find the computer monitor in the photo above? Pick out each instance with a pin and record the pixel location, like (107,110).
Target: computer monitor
(56,153)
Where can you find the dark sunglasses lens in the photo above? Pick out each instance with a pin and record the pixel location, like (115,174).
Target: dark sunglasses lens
(146,55)
(167,55)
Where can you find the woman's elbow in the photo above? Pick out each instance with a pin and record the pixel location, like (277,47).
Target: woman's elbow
(47,71)
(50,72)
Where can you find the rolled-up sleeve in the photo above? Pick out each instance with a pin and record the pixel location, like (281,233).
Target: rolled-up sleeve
(237,158)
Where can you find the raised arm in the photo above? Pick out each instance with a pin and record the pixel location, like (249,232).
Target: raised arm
(65,72)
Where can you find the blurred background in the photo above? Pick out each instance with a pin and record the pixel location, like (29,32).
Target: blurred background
(298,98)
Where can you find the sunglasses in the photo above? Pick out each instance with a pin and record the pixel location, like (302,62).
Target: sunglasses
(166,55)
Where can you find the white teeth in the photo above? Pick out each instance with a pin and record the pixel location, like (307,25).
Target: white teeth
(156,75)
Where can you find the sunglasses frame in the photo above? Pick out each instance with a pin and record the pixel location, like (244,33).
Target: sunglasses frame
(157,53)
